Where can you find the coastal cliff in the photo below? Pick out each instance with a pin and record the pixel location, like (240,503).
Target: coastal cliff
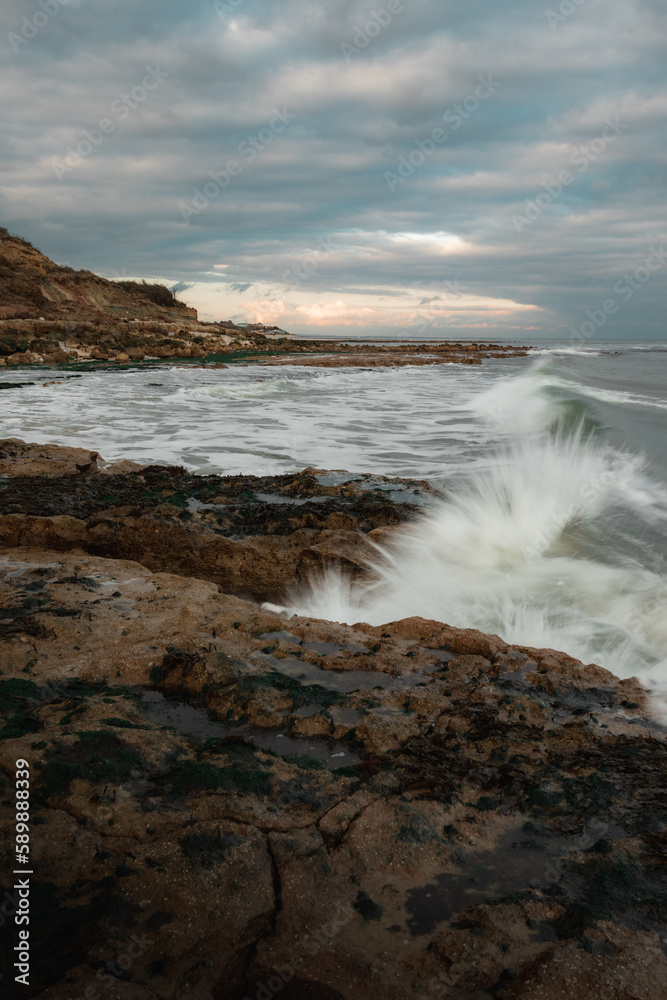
(228,803)
(32,286)
(54,315)
(50,314)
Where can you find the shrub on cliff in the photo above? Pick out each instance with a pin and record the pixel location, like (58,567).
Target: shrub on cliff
(159,294)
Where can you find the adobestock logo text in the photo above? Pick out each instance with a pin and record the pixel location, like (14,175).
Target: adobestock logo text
(31,26)
(121,109)
(455,116)
(582,157)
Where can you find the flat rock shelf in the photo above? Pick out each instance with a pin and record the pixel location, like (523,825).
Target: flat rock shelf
(294,806)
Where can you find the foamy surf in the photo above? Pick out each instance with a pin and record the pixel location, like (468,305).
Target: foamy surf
(552,531)
(590,352)
(542,545)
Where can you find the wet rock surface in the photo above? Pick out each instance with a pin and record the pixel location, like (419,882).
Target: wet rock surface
(255,536)
(227,803)
(215,346)
(333,354)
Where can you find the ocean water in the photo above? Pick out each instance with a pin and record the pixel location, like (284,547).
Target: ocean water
(550,525)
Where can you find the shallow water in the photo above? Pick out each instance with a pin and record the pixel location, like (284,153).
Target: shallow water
(256,420)
(552,530)
(197,722)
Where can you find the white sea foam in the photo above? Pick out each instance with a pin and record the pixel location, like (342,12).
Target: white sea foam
(548,535)
(618,397)
(590,352)
(519,405)
(531,546)
(258,420)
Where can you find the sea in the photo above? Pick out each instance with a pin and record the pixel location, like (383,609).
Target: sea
(548,524)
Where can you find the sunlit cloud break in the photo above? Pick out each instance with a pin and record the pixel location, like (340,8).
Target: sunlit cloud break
(329,167)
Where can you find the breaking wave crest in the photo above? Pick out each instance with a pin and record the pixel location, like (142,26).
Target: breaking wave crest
(544,544)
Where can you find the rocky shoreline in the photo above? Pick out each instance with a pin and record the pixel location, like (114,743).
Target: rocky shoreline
(229,804)
(51,314)
(42,344)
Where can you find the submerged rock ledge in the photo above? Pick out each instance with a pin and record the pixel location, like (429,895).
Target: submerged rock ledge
(296,807)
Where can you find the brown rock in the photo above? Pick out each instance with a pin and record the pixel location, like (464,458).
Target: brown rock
(347,884)
(120,468)
(19,359)
(298,807)
(56,357)
(20,459)
(33,287)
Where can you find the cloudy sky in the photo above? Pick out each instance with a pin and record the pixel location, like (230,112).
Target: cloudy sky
(455,168)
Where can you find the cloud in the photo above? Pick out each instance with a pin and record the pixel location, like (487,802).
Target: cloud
(309,224)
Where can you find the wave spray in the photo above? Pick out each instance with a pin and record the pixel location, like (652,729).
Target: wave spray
(542,544)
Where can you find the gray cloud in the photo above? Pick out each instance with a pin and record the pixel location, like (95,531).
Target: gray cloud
(321,180)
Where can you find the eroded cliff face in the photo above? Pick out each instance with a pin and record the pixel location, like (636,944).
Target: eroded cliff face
(228,803)
(32,286)
(53,315)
